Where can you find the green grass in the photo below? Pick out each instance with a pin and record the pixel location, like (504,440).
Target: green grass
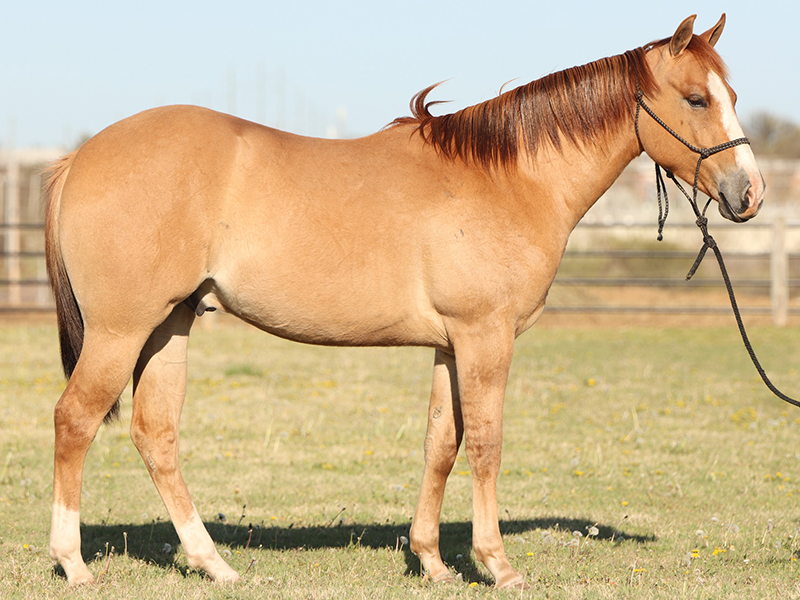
(663,439)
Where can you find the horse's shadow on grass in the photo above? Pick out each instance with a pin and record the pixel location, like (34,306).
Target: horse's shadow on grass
(152,542)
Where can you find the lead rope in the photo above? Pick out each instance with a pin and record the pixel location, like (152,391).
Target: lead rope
(702,222)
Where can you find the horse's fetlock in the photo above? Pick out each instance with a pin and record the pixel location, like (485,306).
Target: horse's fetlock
(414,544)
(487,553)
(55,553)
(202,560)
(421,542)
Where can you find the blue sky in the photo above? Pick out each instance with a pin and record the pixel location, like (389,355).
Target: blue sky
(72,68)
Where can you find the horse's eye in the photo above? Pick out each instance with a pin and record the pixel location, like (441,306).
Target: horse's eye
(696,101)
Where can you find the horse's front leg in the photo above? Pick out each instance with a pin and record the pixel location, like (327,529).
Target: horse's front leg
(445,431)
(483,360)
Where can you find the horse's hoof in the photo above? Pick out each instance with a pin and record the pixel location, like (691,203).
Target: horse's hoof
(443,577)
(80,577)
(515,583)
(446,577)
(225,576)
(219,571)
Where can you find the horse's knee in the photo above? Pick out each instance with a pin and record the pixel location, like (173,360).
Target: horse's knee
(484,457)
(440,454)
(64,419)
(93,391)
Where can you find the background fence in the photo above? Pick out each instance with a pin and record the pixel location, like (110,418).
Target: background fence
(23,280)
(612,264)
(618,268)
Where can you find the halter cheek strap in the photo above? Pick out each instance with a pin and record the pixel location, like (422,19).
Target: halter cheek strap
(702,223)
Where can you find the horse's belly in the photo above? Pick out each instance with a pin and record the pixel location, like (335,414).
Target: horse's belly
(317,310)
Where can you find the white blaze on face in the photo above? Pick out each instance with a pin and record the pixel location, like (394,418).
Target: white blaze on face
(730,122)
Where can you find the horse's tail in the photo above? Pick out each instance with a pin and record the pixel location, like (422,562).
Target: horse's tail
(70,321)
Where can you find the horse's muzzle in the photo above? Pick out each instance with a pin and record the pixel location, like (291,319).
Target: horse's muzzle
(740,199)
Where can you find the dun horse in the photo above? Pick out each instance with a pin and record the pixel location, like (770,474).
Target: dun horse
(438,231)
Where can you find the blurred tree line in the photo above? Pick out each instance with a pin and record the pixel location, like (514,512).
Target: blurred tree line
(773,136)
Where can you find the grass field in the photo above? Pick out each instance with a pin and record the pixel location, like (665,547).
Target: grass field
(644,462)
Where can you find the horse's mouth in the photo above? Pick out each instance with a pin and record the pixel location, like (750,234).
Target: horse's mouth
(726,210)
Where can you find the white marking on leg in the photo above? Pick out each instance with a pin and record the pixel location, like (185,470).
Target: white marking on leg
(200,550)
(65,544)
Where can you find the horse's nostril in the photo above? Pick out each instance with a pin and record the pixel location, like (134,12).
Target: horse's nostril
(747,198)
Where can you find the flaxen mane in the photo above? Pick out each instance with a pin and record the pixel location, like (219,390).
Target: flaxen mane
(578,104)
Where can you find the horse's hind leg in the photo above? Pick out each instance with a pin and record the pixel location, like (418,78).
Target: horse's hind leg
(445,430)
(100,376)
(159,392)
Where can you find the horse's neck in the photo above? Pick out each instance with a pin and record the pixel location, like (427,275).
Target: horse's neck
(575,176)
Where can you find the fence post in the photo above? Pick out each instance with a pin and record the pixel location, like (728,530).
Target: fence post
(779,273)
(13,234)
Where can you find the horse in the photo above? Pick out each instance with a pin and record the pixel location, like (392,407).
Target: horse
(437,231)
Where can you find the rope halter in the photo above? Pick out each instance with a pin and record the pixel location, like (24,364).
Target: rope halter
(702,223)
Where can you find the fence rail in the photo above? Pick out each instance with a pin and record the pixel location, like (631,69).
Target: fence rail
(773,276)
(24,286)
(768,274)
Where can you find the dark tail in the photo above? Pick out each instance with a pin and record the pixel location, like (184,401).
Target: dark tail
(70,321)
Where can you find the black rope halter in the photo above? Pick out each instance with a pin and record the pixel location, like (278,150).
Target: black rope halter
(702,223)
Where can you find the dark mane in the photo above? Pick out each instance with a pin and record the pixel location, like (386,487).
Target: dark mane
(578,104)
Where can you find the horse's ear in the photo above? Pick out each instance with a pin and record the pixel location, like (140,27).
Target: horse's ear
(712,35)
(682,36)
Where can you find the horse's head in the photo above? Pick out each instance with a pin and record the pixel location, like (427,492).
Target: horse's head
(691,96)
